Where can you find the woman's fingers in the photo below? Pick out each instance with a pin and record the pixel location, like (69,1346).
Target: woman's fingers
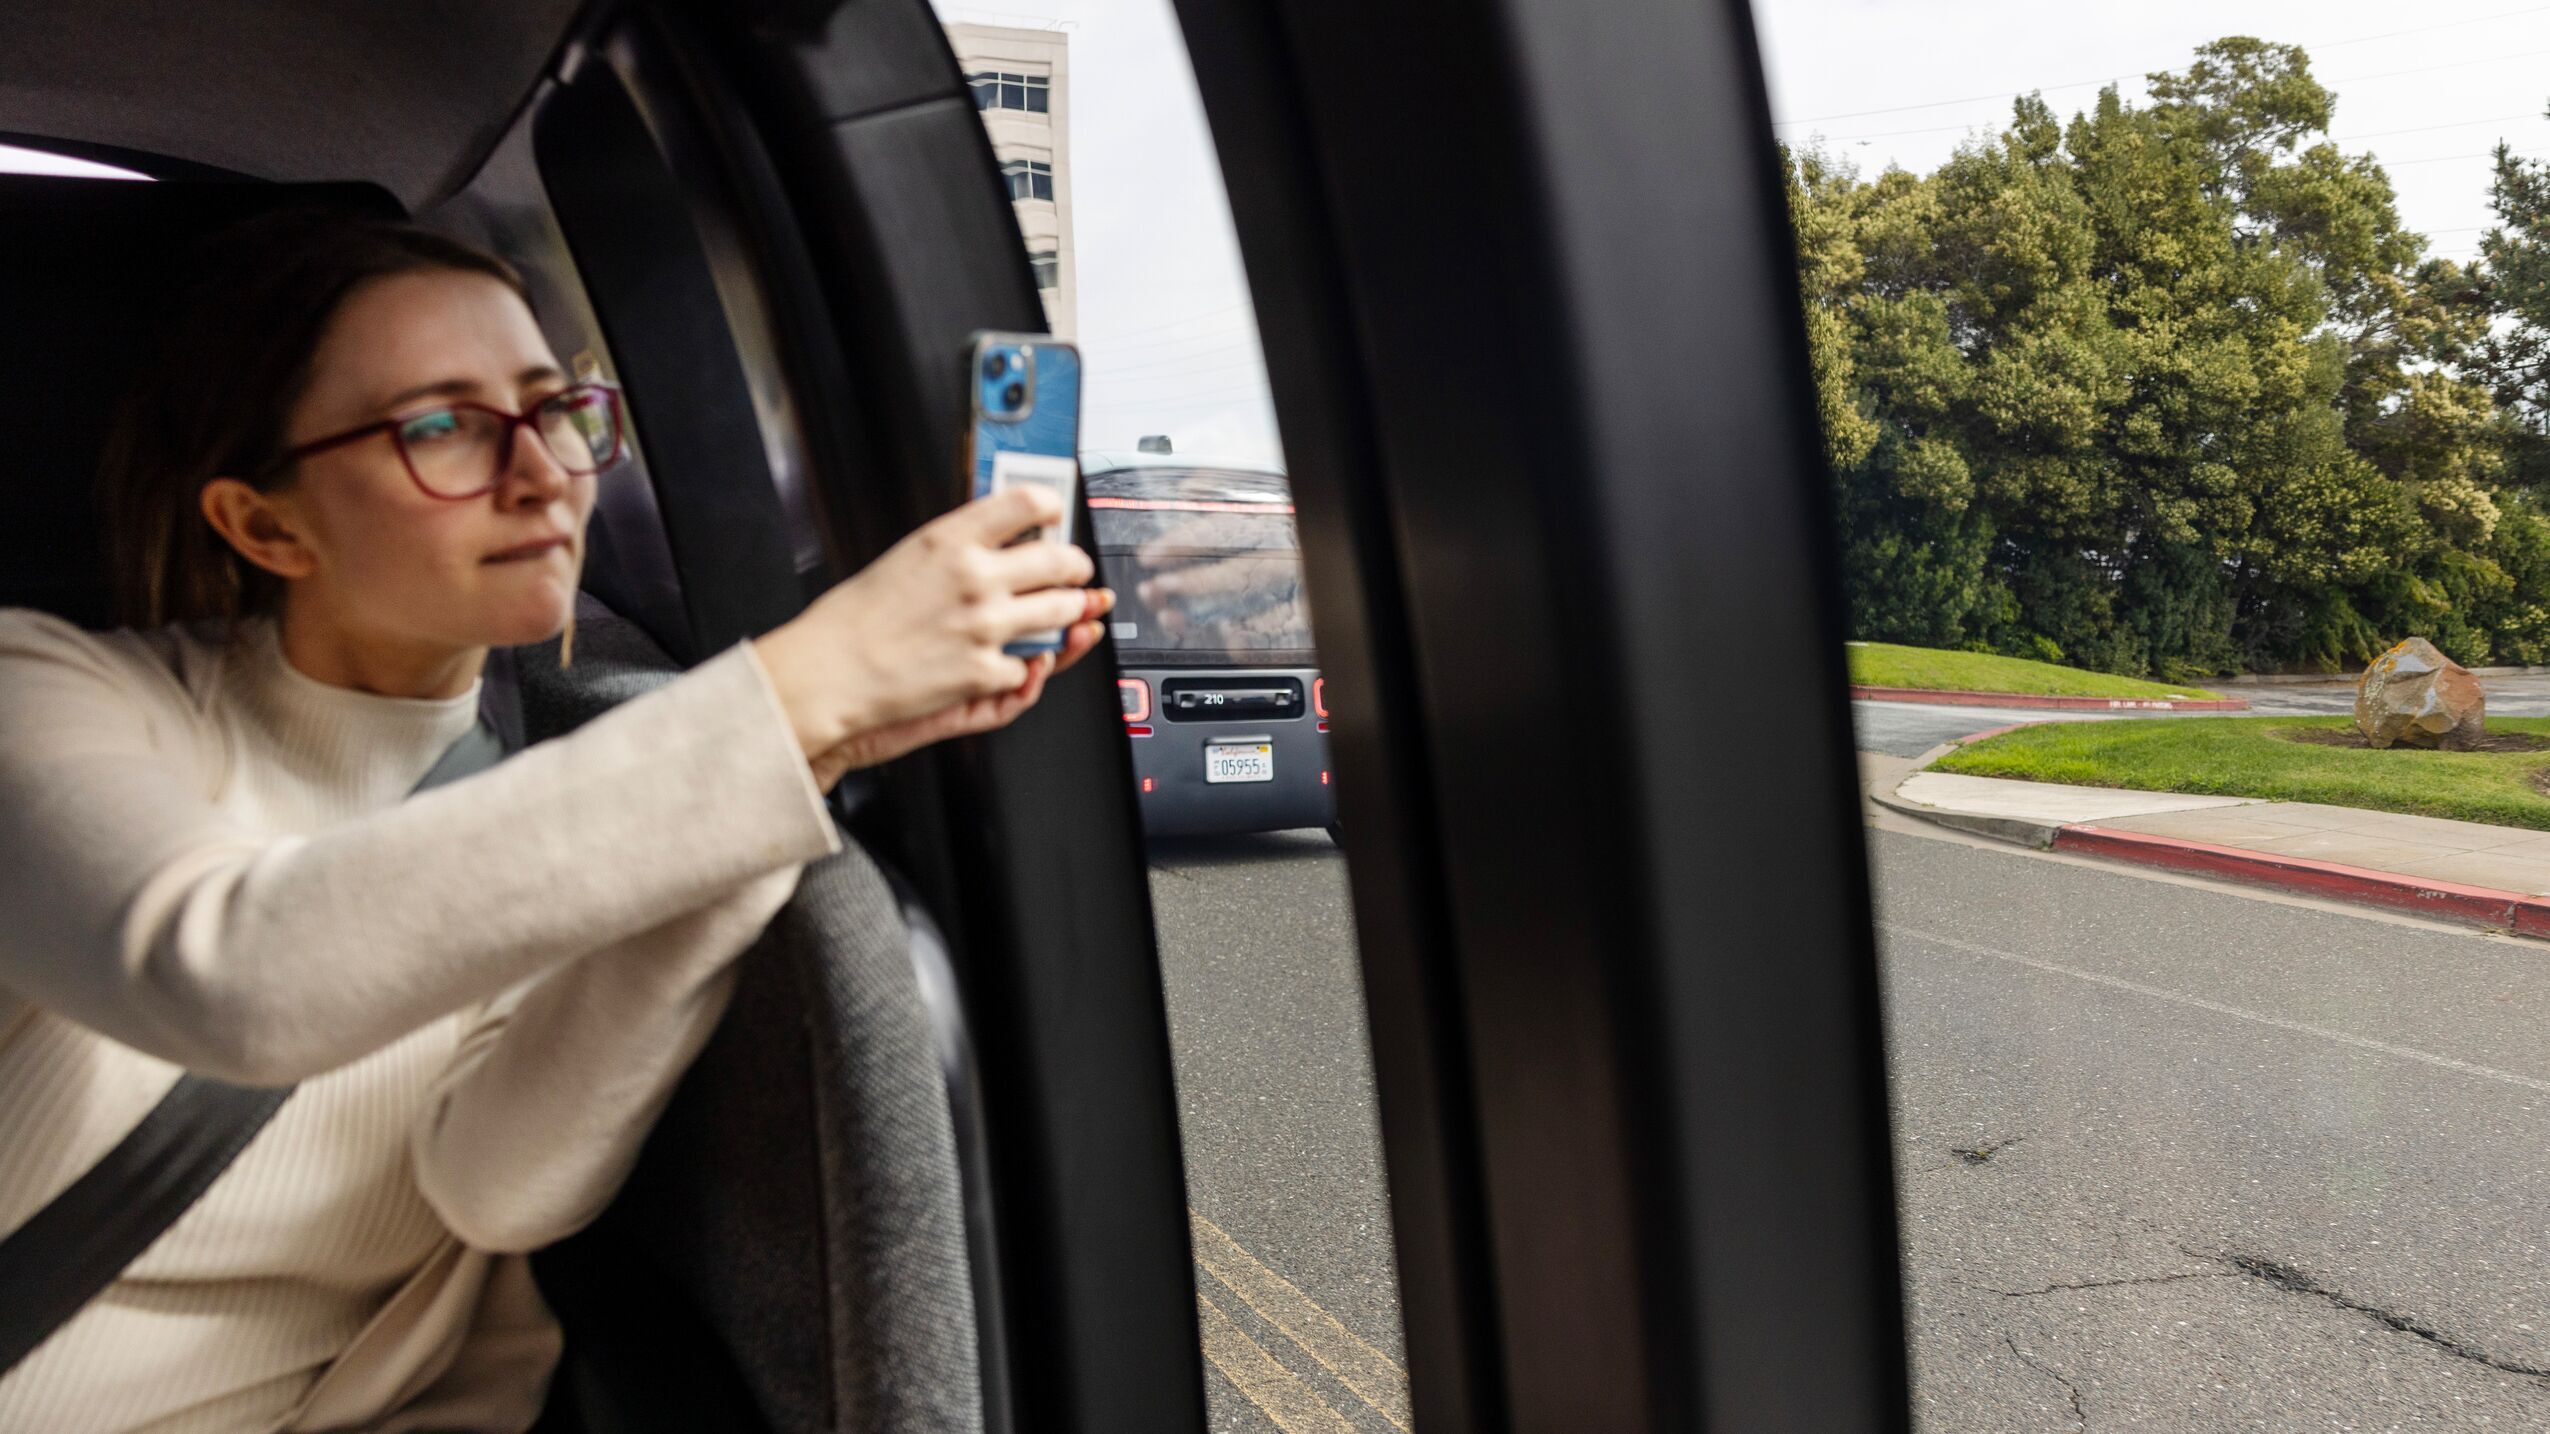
(1041,612)
(999,517)
(1078,642)
(1029,566)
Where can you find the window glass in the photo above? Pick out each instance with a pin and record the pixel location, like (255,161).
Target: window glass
(1029,179)
(1200,575)
(1121,213)
(2128,325)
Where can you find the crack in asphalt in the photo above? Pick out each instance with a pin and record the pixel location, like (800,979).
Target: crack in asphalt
(1982,1154)
(2286,1277)
(2080,1416)
(1979,1154)
(2131,1280)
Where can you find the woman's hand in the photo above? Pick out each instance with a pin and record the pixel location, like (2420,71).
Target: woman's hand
(981,714)
(908,651)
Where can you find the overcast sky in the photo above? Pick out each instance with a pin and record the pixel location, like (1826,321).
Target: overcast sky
(2428,88)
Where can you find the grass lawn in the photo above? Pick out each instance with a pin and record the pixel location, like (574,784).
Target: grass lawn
(1884,664)
(2242,757)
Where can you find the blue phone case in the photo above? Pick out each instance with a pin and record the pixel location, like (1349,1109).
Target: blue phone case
(1037,440)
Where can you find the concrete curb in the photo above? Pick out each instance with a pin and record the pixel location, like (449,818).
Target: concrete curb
(2018,831)
(2481,906)
(2421,896)
(2044,703)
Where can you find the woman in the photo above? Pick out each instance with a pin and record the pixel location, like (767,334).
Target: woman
(358,469)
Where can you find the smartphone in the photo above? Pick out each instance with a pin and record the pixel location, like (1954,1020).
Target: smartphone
(1025,428)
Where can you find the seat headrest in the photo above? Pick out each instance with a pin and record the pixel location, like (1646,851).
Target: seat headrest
(93,269)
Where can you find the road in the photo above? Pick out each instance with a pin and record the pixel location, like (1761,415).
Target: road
(2171,1156)
(2184,1159)
(1282,1140)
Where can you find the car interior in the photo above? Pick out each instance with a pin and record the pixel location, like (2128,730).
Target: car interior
(928,1174)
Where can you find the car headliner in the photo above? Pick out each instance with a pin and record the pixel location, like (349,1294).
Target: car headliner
(409,96)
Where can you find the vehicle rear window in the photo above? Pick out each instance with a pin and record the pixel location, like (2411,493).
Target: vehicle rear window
(1201,579)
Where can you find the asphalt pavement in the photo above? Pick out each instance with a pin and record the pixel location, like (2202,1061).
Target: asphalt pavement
(2171,1156)
(1283,1143)
(2174,1158)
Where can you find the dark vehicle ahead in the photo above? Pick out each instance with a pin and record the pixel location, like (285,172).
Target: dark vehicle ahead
(1222,696)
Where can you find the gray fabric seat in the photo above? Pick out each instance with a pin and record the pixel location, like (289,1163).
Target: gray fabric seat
(797,1214)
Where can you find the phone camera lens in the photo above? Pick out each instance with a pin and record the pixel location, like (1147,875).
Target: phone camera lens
(1015,395)
(996,365)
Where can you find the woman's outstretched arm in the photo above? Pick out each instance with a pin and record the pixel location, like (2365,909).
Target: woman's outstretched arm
(138,909)
(541,1114)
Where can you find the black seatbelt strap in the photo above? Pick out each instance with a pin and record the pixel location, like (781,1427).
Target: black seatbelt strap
(55,1263)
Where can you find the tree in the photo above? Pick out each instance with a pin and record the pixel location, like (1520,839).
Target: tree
(2161,389)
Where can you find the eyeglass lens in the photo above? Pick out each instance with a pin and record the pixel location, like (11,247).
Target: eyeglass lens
(459,450)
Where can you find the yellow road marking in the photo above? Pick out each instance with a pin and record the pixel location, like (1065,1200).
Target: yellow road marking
(1375,1378)
(1295,1407)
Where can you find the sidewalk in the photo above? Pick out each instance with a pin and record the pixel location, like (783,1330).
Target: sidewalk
(2497,877)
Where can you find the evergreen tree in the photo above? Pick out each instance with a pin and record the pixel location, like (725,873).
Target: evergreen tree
(2167,389)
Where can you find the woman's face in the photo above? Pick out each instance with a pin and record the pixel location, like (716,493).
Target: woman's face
(381,559)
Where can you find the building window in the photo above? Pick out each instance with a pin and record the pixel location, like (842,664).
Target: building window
(1048,267)
(1000,90)
(1028,178)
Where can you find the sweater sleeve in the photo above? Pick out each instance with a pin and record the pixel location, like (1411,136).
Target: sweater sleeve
(136,908)
(542,1112)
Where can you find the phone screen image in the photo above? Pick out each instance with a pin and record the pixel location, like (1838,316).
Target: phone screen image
(1026,429)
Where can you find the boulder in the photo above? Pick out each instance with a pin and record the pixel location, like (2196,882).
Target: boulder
(2416,695)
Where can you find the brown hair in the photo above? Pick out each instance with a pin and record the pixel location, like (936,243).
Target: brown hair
(215,401)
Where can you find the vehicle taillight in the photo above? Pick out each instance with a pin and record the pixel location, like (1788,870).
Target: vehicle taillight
(1146,784)
(1134,695)
(1319,695)
(1137,730)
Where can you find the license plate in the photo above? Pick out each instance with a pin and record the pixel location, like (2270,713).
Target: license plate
(1254,762)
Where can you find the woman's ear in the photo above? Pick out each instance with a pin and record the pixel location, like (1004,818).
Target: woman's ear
(260,526)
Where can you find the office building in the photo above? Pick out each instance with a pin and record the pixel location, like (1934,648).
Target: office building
(1021,80)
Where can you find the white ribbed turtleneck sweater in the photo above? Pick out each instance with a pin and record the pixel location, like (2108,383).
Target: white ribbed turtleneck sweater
(487,993)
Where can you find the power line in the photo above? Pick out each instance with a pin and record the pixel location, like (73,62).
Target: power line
(2430,128)
(1189,401)
(1096,379)
(2430,69)
(2443,159)
(1212,338)
(2422,29)
(1173,323)
(1239,343)
(2117,79)
(1184,363)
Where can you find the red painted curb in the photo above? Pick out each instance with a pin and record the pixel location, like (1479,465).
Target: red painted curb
(2050,704)
(2443,900)
(2532,916)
